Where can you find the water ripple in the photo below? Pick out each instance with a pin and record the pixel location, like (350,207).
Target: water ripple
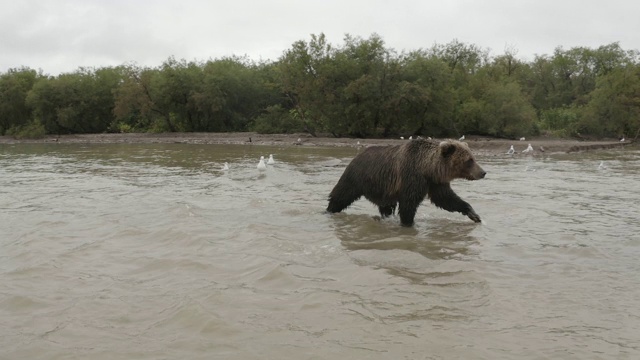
(151,251)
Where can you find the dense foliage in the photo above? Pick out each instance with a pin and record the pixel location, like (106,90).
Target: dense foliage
(360,88)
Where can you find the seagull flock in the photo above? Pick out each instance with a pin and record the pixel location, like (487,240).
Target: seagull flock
(262,164)
(529,149)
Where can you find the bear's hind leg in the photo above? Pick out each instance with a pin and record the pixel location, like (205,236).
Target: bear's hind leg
(407,211)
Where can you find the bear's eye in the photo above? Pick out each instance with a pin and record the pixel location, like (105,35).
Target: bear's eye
(469,163)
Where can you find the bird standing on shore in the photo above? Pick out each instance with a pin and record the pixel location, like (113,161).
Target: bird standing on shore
(528,149)
(225,167)
(271,161)
(511,150)
(461,138)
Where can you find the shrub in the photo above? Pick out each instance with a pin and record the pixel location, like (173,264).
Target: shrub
(276,120)
(32,130)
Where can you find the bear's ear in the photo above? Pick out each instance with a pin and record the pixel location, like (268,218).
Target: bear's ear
(447,149)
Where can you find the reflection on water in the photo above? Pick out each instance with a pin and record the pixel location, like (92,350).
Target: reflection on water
(152,251)
(441,239)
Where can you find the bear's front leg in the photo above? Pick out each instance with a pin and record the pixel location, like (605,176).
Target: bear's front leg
(442,196)
(472,215)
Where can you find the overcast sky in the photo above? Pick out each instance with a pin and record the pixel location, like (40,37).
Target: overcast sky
(62,35)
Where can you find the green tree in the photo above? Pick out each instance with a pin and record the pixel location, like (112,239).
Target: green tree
(172,89)
(138,103)
(14,87)
(357,88)
(370,76)
(614,108)
(496,107)
(79,102)
(425,96)
(463,59)
(233,93)
(307,82)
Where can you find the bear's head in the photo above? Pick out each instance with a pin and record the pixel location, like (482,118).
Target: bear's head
(458,162)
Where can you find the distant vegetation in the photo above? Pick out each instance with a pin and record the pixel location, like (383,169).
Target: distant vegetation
(359,88)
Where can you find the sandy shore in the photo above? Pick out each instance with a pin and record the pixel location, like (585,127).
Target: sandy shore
(479,145)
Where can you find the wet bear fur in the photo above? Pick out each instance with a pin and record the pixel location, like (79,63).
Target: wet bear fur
(403,175)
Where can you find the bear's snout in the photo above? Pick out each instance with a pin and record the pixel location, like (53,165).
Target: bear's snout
(477,173)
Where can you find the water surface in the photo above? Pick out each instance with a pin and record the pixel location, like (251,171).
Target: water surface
(152,252)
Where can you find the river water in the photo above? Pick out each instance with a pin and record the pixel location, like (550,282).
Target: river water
(152,252)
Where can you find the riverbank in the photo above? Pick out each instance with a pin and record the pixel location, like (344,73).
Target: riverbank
(479,145)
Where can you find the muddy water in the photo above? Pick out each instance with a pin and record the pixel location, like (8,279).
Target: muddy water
(153,252)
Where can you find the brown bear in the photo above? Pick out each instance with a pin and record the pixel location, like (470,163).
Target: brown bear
(403,175)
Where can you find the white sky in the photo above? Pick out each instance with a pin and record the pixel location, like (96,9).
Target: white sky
(62,35)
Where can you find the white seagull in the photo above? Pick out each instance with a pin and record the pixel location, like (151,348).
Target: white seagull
(225,167)
(461,138)
(261,165)
(529,148)
(522,139)
(601,166)
(511,150)
(271,161)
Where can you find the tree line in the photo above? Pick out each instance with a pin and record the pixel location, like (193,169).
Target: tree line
(359,88)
